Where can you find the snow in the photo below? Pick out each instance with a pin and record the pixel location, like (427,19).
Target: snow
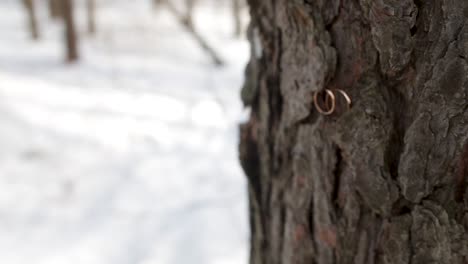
(129,156)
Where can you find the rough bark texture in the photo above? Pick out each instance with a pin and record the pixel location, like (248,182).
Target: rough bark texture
(385,182)
(71,37)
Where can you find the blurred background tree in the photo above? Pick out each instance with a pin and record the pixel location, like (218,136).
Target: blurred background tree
(64,10)
(128,154)
(71,36)
(54,9)
(91,9)
(32,18)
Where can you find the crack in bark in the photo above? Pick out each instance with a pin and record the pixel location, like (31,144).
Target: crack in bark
(337,172)
(462,181)
(329,25)
(410,244)
(310,215)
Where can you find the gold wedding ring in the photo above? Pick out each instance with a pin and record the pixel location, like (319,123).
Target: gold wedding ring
(329,96)
(330,101)
(346,97)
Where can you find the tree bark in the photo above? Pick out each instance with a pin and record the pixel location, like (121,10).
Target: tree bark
(384,182)
(91,8)
(32,18)
(71,37)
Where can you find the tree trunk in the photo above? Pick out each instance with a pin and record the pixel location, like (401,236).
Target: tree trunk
(157,3)
(71,37)
(91,8)
(55,10)
(190,5)
(384,182)
(236,12)
(32,18)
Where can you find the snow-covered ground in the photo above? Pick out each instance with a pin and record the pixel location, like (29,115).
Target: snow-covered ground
(129,156)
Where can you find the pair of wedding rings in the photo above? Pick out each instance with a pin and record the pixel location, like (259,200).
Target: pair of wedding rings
(328,99)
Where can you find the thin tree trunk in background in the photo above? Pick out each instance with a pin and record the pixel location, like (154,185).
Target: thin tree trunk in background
(91,8)
(32,18)
(190,4)
(385,182)
(186,20)
(157,3)
(55,9)
(71,37)
(236,10)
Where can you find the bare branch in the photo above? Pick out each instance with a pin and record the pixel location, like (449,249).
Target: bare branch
(187,21)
